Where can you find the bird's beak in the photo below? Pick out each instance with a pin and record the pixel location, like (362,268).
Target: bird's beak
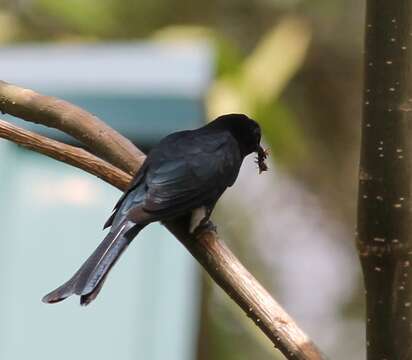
(262,155)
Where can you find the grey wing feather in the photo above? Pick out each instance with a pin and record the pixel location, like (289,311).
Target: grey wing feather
(184,171)
(199,174)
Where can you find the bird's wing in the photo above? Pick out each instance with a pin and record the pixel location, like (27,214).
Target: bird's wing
(190,170)
(185,170)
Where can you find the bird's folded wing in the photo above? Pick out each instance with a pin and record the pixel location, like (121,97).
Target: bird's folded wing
(196,173)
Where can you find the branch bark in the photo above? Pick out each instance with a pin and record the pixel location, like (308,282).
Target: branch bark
(101,139)
(72,155)
(384,204)
(208,249)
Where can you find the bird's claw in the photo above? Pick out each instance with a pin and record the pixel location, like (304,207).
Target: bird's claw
(207,226)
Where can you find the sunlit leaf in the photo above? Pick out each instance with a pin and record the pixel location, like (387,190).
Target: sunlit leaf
(276,59)
(8,26)
(225,97)
(83,16)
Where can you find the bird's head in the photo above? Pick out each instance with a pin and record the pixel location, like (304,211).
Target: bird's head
(247,133)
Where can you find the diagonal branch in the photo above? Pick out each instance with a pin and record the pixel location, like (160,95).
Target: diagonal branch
(100,138)
(208,249)
(72,155)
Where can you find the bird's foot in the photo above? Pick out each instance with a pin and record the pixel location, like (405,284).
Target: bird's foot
(203,227)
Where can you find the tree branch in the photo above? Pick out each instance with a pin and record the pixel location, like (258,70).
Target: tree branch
(208,249)
(72,155)
(101,139)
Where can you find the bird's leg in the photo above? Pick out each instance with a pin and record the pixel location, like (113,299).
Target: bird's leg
(198,216)
(205,224)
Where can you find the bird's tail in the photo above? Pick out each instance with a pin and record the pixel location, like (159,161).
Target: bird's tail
(88,280)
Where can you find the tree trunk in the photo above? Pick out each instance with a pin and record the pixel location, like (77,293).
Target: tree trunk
(384,205)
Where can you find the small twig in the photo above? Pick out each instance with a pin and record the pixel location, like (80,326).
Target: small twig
(212,253)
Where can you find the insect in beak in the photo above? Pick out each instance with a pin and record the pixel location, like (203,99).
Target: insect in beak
(262,154)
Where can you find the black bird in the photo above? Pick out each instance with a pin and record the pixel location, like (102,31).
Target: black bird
(185,174)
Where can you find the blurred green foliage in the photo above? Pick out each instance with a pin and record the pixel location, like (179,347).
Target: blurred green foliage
(76,15)
(255,85)
(282,132)
(258,53)
(252,84)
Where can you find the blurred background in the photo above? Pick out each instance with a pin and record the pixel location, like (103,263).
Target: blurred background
(151,67)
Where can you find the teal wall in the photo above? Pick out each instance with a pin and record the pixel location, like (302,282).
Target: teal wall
(143,119)
(51,218)
(51,214)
